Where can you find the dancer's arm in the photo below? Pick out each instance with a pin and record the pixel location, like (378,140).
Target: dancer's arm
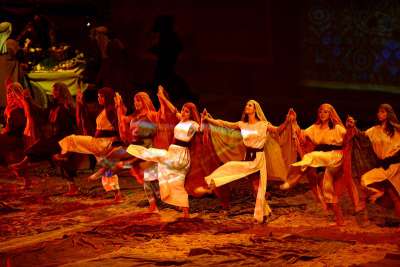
(123,120)
(279,129)
(207,117)
(164,102)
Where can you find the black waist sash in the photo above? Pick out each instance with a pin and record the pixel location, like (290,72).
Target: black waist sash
(386,162)
(106,133)
(325,148)
(181,143)
(251,153)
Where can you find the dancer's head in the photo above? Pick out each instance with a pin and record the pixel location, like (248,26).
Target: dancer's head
(189,112)
(106,96)
(328,114)
(14,97)
(386,116)
(253,107)
(61,94)
(143,103)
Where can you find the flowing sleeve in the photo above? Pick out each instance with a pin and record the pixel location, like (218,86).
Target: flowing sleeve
(363,157)
(204,160)
(228,143)
(165,121)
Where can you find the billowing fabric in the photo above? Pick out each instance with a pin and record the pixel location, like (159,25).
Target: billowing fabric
(173,164)
(110,182)
(323,136)
(384,146)
(253,135)
(98,146)
(331,160)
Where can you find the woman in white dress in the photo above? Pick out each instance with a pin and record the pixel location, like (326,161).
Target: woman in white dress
(326,136)
(255,131)
(385,139)
(174,163)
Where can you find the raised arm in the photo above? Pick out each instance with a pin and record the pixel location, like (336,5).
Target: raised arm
(207,117)
(290,118)
(123,120)
(165,103)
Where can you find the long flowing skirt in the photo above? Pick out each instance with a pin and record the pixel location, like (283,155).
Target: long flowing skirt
(173,165)
(332,161)
(85,144)
(234,170)
(377,175)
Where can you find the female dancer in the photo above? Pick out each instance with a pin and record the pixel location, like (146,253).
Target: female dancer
(174,163)
(385,139)
(61,117)
(255,131)
(101,144)
(143,127)
(326,137)
(19,130)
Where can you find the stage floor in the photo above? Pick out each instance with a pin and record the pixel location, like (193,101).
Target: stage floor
(42,227)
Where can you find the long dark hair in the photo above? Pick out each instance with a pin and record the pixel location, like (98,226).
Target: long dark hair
(109,105)
(392,123)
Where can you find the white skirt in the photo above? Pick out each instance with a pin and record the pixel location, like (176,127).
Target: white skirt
(173,165)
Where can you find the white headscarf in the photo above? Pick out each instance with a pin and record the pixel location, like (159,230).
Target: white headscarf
(259,112)
(5,32)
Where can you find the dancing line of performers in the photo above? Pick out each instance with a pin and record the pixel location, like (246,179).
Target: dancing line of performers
(175,154)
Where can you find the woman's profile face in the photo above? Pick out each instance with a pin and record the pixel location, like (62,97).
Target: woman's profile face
(382,115)
(137,103)
(55,92)
(101,99)
(185,113)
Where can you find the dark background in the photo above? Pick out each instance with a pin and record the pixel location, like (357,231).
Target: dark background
(281,53)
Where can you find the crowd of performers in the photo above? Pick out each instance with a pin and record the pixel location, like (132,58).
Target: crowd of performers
(175,154)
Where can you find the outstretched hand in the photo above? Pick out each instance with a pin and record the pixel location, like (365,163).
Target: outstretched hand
(160,92)
(291,116)
(118,100)
(205,115)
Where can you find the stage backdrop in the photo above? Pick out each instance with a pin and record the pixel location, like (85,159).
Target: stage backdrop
(352,45)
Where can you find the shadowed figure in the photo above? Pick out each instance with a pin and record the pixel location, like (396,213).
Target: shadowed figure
(167,48)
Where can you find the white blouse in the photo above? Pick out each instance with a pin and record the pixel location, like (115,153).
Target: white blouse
(184,131)
(255,134)
(325,136)
(384,145)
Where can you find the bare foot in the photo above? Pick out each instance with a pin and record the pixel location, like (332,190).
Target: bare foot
(153,208)
(73,190)
(284,186)
(118,197)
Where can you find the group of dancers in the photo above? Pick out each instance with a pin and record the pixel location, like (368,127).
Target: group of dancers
(175,154)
